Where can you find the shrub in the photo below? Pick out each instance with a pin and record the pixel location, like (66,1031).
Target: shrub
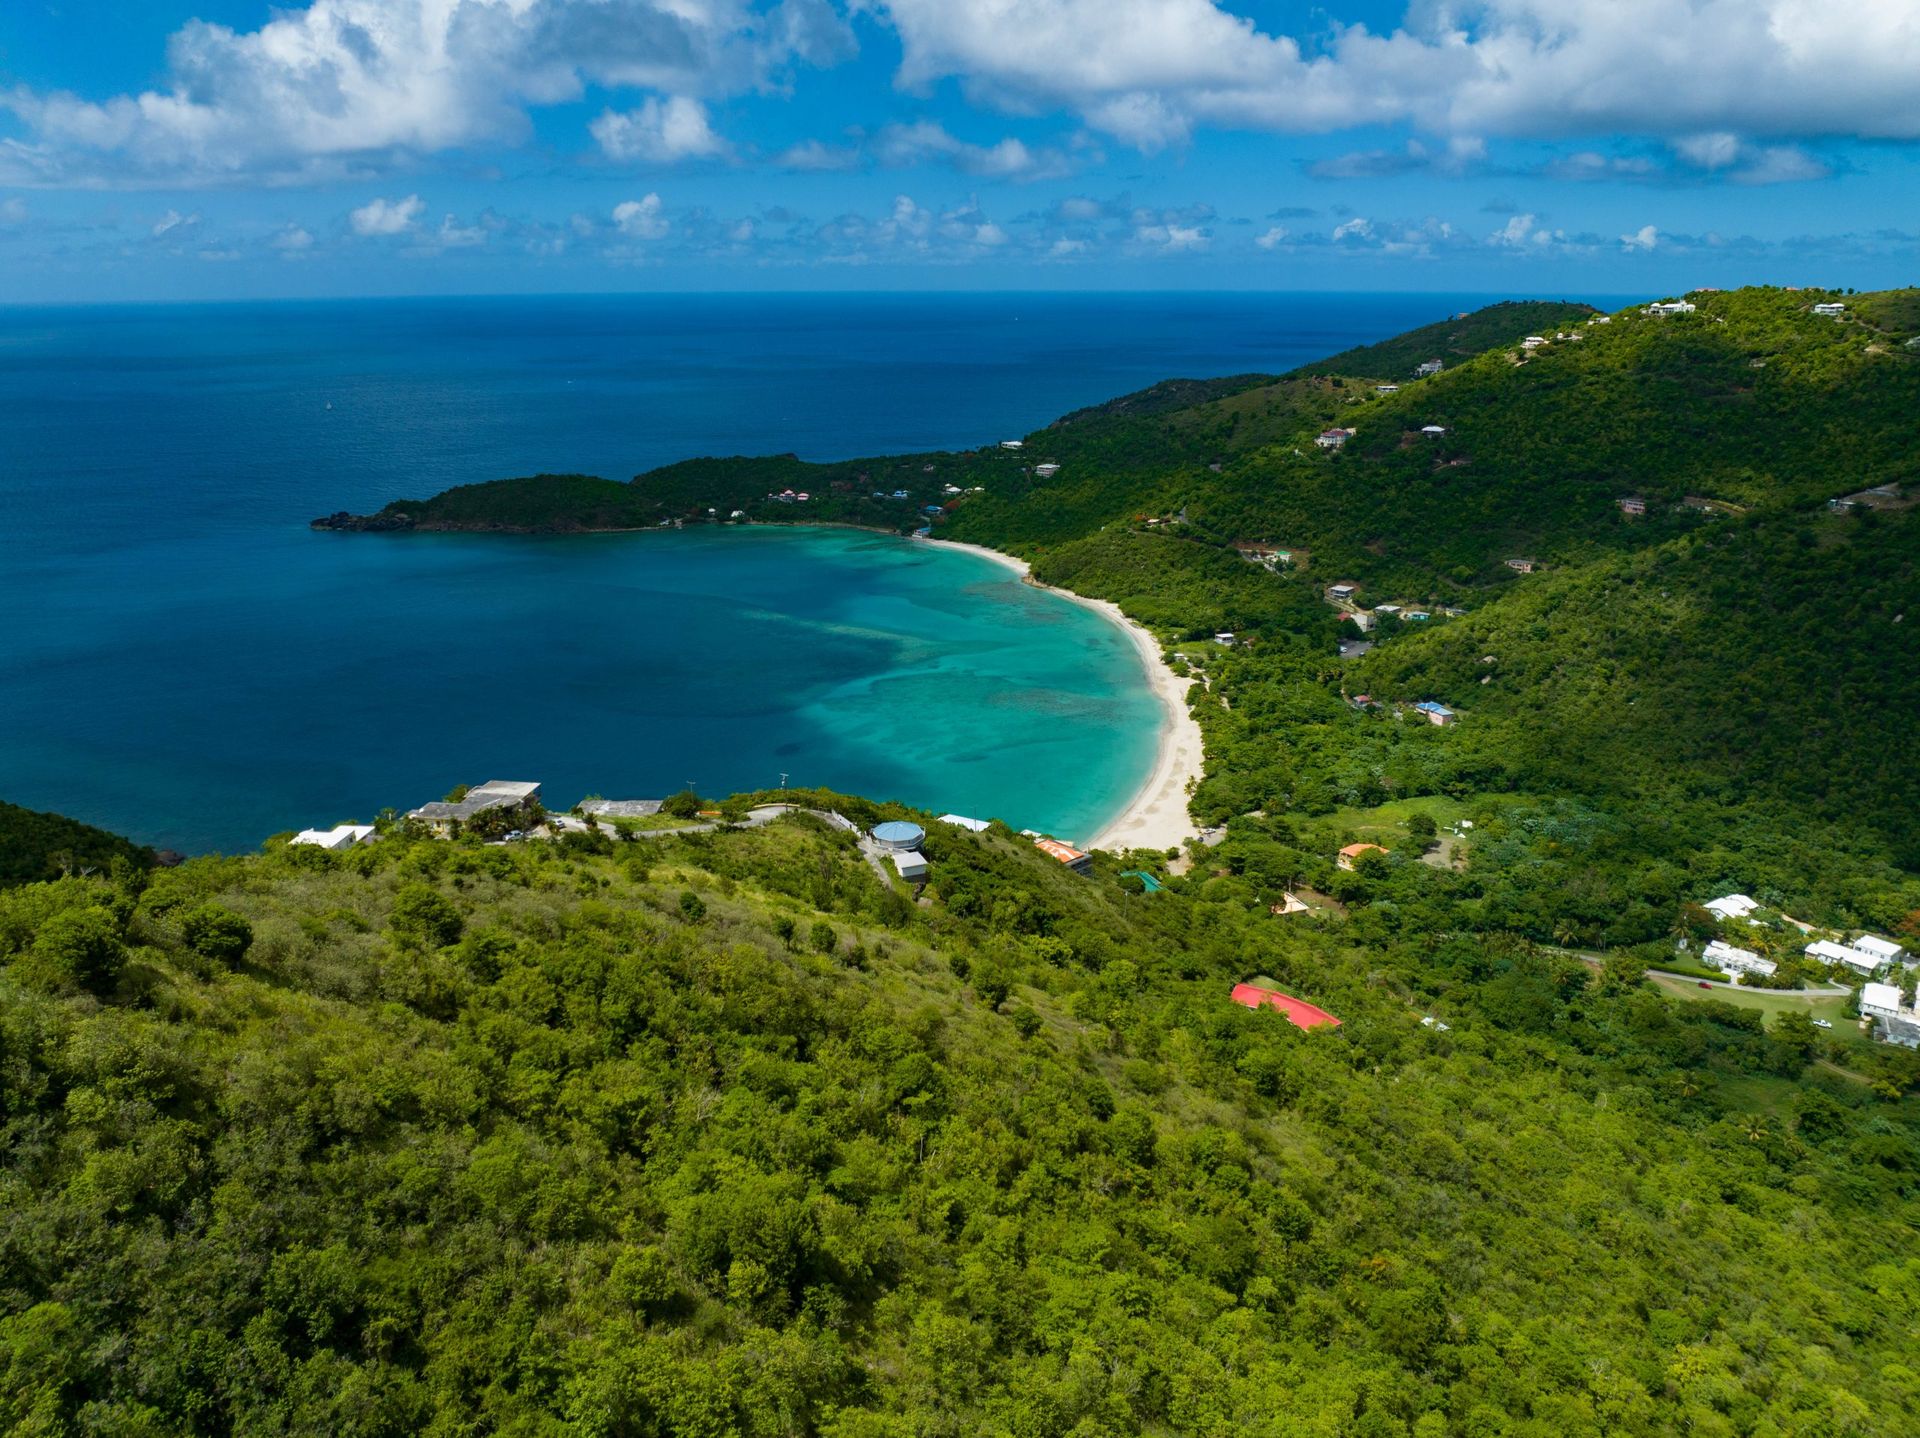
(79,947)
(423,917)
(216,933)
(691,907)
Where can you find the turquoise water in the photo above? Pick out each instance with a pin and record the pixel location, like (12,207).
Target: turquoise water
(385,669)
(182,660)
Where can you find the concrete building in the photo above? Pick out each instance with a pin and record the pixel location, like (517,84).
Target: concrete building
(1075,860)
(1433,431)
(442,815)
(1632,505)
(1333,438)
(961,821)
(1735,962)
(1428,369)
(1882,1001)
(341,836)
(1046,471)
(1436,713)
(1886,950)
(1831,310)
(1828,952)
(910,866)
(1731,906)
(1521,566)
(1013,444)
(898,836)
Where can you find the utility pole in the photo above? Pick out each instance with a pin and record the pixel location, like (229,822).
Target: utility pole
(783,781)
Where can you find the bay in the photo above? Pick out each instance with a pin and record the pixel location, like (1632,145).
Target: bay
(183,661)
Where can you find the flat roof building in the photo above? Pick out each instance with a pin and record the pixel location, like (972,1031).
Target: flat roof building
(1886,950)
(961,821)
(909,865)
(620,808)
(1729,960)
(494,794)
(341,836)
(1860,962)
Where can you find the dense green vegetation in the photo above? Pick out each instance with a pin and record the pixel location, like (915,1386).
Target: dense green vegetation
(44,846)
(702,1134)
(1459,337)
(715,1135)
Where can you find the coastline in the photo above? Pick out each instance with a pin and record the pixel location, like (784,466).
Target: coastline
(1156,816)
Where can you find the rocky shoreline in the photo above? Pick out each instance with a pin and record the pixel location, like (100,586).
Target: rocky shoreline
(381,523)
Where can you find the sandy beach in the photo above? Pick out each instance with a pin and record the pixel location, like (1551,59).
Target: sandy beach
(1156,816)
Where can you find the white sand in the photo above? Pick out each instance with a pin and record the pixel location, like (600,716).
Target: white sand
(1156,817)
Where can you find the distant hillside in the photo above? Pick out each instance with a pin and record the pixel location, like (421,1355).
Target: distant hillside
(1454,339)
(1168,395)
(35,846)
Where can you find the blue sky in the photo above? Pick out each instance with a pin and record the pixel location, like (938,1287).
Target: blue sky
(226,148)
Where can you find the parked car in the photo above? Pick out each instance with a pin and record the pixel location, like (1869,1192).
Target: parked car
(1823,1023)
(1705,985)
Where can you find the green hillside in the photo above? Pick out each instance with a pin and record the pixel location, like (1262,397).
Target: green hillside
(1452,340)
(714,1134)
(717,1135)
(45,846)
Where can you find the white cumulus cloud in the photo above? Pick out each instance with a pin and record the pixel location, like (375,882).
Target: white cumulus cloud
(1150,71)
(659,132)
(1644,238)
(386,217)
(640,219)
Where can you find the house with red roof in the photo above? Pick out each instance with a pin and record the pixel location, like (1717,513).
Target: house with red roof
(1299,1013)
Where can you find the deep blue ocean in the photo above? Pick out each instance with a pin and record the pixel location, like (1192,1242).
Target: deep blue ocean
(183,661)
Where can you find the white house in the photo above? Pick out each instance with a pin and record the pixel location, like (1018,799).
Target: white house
(1333,438)
(910,864)
(1431,367)
(1013,444)
(961,821)
(1672,307)
(1828,952)
(1886,950)
(1732,961)
(1831,309)
(1433,431)
(1386,389)
(1340,591)
(1881,1001)
(341,836)
(1532,342)
(1732,906)
(1046,471)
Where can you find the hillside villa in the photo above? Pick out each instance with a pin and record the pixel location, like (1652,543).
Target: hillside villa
(1073,858)
(443,815)
(1333,438)
(341,836)
(1350,857)
(1735,962)
(1436,712)
(1731,906)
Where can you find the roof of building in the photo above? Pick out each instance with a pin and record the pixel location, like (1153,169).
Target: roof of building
(1842,954)
(900,834)
(1433,706)
(621,808)
(1879,996)
(1885,949)
(1736,906)
(1053,848)
(1354,851)
(1726,954)
(909,861)
(1299,1012)
(961,821)
(340,836)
